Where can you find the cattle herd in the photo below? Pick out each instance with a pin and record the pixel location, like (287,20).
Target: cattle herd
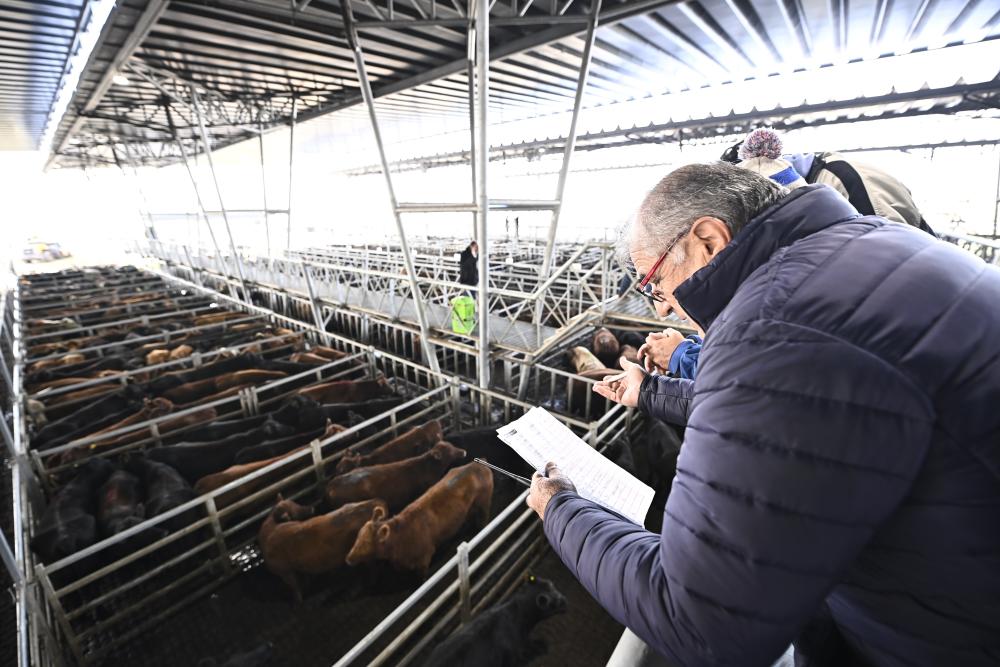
(144,396)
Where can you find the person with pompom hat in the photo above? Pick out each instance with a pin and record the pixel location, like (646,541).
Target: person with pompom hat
(760,153)
(870,190)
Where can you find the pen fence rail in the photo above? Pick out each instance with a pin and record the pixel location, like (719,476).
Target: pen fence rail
(161,571)
(102,605)
(498,555)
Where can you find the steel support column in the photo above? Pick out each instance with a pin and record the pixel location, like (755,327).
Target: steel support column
(291,169)
(196,105)
(314,301)
(263,188)
(482,21)
(366,92)
(581,85)
(471,73)
(150,230)
(204,215)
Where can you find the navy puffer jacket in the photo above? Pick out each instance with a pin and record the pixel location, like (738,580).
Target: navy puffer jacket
(842,446)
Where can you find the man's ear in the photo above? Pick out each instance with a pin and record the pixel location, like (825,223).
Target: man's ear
(709,235)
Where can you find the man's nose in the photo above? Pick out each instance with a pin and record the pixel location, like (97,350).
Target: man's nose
(662,308)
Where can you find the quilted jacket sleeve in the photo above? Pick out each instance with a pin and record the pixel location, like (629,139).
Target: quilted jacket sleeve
(684,360)
(667,399)
(797,448)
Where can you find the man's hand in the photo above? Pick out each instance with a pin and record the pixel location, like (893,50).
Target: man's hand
(655,353)
(543,488)
(624,387)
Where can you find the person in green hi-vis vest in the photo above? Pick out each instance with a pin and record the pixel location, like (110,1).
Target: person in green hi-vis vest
(463,314)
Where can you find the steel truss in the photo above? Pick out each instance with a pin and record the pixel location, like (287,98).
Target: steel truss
(927,101)
(580,287)
(475,17)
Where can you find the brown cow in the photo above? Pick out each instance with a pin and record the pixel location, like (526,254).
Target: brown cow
(606,347)
(180,352)
(328,352)
(347,391)
(295,542)
(210,388)
(583,360)
(164,427)
(157,357)
(396,483)
(65,360)
(217,480)
(308,358)
(409,539)
(89,392)
(217,318)
(630,353)
(412,443)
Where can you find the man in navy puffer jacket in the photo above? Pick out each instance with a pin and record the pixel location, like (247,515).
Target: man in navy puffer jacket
(842,452)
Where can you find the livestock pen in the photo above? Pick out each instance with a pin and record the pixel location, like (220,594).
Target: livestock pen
(115,601)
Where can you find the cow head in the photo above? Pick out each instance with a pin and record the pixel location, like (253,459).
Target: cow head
(333,429)
(447,453)
(348,462)
(372,540)
(289,510)
(547,599)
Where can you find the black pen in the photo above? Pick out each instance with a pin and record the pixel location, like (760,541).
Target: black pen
(516,478)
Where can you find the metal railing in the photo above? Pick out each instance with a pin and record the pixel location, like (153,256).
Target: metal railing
(378,285)
(93,613)
(986,249)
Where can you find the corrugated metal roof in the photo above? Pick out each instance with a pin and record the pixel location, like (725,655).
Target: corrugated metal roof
(946,81)
(37,38)
(250,56)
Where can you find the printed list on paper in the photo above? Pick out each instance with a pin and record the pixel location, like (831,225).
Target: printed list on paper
(538,438)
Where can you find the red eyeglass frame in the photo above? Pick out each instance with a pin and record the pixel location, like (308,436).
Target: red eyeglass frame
(640,287)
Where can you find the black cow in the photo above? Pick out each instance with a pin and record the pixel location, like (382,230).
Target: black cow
(92,417)
(255,657)
(223,429)
(276,447)
(654,451)
(306,413)
(119,508)
(194,460)
(500,636)
(68,523)
(165,488)
(119,503)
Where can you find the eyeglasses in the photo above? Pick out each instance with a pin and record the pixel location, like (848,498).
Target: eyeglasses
(643,287)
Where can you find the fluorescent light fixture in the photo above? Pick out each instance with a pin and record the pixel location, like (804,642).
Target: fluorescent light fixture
(99,12)
(120,80)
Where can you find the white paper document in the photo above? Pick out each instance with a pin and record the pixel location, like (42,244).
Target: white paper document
(539,438)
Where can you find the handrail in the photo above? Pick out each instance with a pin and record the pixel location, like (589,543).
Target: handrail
(989,243)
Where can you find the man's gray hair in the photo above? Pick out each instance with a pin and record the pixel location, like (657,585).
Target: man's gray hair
(718,189)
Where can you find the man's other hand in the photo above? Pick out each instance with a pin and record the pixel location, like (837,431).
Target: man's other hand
(624,387)
(655,353)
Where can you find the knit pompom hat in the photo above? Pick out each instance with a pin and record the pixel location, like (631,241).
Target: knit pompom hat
(761,154)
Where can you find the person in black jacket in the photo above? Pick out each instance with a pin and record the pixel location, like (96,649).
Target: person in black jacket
(839,475)
(468,269)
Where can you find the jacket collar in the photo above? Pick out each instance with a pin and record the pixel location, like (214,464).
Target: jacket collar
(804,212)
